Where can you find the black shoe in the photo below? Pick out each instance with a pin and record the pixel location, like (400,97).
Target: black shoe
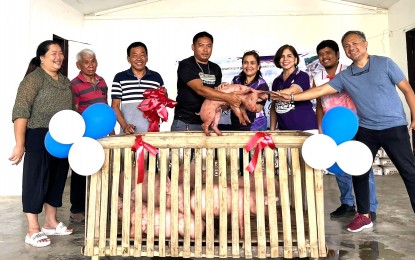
(373,216)
(77,217)
(343,211)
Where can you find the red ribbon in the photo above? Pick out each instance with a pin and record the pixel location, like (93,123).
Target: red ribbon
(265,140)
(139,147)
(154,107)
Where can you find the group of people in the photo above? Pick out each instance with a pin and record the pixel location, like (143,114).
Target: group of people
(367,86)
(371,82)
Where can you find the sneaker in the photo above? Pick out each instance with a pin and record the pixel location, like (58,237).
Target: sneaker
(373,216)
(343,211)
(359,223)
(77,217)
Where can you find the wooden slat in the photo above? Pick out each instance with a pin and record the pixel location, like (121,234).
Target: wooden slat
(247,210)
(260,216)
(234,153)
(186,198)
(163,159)
(104,203)
(223,204)
(138,233)
(174,227)
(210,229)
(190,139)
(198,203)
(312,218)
(126,216)
(302,250)
(272,195)
(285,203)
(319,188)
(151,204)
(90,238)
(97,210)
(116,169)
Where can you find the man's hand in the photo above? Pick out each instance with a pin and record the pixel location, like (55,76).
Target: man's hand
(234,99)
(222,85)
(129,129)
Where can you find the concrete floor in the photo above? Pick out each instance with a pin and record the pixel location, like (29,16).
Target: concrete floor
(392,237)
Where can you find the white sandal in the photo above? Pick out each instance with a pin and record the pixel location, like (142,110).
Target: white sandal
(38,239)
(60,230)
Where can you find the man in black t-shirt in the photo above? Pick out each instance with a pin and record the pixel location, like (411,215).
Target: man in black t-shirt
(196,79)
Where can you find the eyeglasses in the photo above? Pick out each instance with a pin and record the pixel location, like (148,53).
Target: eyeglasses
(360,72)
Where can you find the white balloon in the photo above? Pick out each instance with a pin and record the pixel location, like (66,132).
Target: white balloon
(66,126)
(86,156)
(354,157)
(319,151)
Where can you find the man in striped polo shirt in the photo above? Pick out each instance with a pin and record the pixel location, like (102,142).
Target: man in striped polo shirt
(128,88)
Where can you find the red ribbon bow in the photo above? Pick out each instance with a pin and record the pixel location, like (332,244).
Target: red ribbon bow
(154,107)
(265,140)
(139,147)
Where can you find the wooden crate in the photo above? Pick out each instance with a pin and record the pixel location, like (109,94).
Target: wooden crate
(292,226)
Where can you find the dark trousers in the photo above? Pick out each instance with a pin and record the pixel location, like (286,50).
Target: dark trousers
(44,176)
(77,194)
(396,143)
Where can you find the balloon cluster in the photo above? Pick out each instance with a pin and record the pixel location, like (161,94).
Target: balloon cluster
(335,150)
(72,136)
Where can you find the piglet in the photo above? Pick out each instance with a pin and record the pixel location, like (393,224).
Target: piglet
(210,111)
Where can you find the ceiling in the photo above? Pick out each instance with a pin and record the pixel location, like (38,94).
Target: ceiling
(89,7)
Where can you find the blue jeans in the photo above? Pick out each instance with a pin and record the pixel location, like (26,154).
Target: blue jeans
(346,190)
(179,125)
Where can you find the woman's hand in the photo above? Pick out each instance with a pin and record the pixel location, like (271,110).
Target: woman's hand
(282,96)
(17,155)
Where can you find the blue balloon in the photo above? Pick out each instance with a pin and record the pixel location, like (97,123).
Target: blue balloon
(100,120)
(55,148)
(340,123)
(335,169)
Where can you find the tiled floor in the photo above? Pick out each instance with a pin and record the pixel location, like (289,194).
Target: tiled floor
(392,237)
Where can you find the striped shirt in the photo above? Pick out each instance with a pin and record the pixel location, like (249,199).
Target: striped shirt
(87,93)
(127,87)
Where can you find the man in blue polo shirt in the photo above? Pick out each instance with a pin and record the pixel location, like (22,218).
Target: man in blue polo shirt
(128,88)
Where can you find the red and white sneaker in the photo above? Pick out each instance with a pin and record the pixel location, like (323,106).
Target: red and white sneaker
(359,223)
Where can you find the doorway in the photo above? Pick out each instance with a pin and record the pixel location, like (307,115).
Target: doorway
(65,49)
(410,52)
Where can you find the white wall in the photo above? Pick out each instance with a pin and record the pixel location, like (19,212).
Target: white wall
(167,27)
(401,20)
(25,24)
(12,68)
